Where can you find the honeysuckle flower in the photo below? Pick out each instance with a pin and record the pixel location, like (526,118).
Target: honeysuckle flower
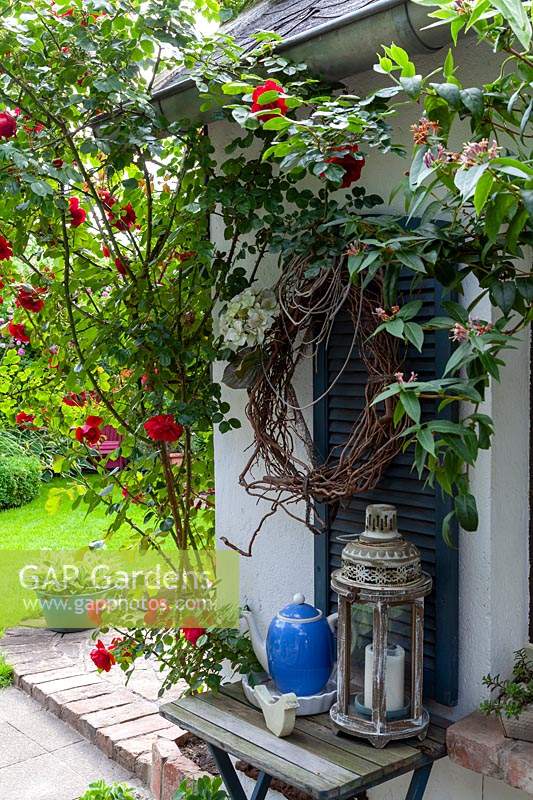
(90,431)
(6,249)
(106,252)
(423,129)
(351,165)
(18,331)
(279,103)
(30,298)
(460,333)
(78,215)
(478,152)
(163,428)
(401,378)
(384,316)
(8,125)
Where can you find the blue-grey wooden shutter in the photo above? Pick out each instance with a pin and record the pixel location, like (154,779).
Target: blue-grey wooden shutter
(421,509)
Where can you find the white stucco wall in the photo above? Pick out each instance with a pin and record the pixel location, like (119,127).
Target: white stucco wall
(494,562)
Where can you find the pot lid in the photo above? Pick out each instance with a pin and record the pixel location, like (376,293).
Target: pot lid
(299,611)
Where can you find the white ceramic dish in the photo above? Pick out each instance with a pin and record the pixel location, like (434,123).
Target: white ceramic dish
(311,704)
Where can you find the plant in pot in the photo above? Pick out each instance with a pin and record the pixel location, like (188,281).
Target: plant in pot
(512,700)
(69,598)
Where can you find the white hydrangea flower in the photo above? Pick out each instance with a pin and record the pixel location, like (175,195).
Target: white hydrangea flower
(247,318)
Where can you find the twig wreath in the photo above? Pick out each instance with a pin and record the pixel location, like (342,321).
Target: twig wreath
(283,447)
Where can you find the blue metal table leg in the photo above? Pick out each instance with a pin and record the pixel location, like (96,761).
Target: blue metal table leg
(231,779)
(261,786)
(419,782)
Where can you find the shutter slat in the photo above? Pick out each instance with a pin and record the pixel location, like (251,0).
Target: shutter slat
(420,507)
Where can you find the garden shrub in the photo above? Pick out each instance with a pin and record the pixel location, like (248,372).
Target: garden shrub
(6,673)
(20,480)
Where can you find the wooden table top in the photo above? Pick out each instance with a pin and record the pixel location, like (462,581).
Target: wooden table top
(314,758)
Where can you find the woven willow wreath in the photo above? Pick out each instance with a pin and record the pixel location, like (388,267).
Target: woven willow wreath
(283,448)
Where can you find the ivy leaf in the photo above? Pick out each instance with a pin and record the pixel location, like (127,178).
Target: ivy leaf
(466,511)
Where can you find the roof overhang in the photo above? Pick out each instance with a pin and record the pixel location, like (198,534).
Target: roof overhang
(344,46)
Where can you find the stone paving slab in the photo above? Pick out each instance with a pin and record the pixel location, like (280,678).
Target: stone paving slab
(41,758)
(56,671)
(15,746)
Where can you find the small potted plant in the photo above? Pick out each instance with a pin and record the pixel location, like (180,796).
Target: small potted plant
(69,598)
(512,700)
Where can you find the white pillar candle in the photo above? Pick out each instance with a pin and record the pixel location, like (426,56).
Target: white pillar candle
(394,676)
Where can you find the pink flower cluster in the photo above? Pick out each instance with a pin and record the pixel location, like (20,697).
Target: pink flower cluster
(460,333)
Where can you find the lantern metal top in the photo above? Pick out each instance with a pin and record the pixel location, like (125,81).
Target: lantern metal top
(380,558)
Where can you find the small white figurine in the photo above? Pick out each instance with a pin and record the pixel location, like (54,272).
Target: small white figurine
(279,713)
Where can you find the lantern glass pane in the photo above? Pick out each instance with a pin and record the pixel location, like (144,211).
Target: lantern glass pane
(397,619)
(362,626)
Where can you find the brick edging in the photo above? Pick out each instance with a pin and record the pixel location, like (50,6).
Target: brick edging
(126,727)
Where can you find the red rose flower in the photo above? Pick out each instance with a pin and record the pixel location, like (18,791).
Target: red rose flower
(192,634)
(24,420)
(352,166)
(30,299)
(279,102)
(102,657)
(163,428)
(94,610)
(18,331)
(77,215)
(127,218)
(8,125)
(121,267)
(106,252)
(136,498)
(75,400)
(90,431)
(6,250)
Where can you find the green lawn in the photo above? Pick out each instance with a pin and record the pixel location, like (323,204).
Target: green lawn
(49,521)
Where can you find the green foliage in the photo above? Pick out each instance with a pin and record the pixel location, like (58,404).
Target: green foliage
(513,695)
(20,480)
(6,673)
(204,788)
(100,790)
(200,664)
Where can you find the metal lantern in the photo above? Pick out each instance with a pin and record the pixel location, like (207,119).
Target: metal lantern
(381,590)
